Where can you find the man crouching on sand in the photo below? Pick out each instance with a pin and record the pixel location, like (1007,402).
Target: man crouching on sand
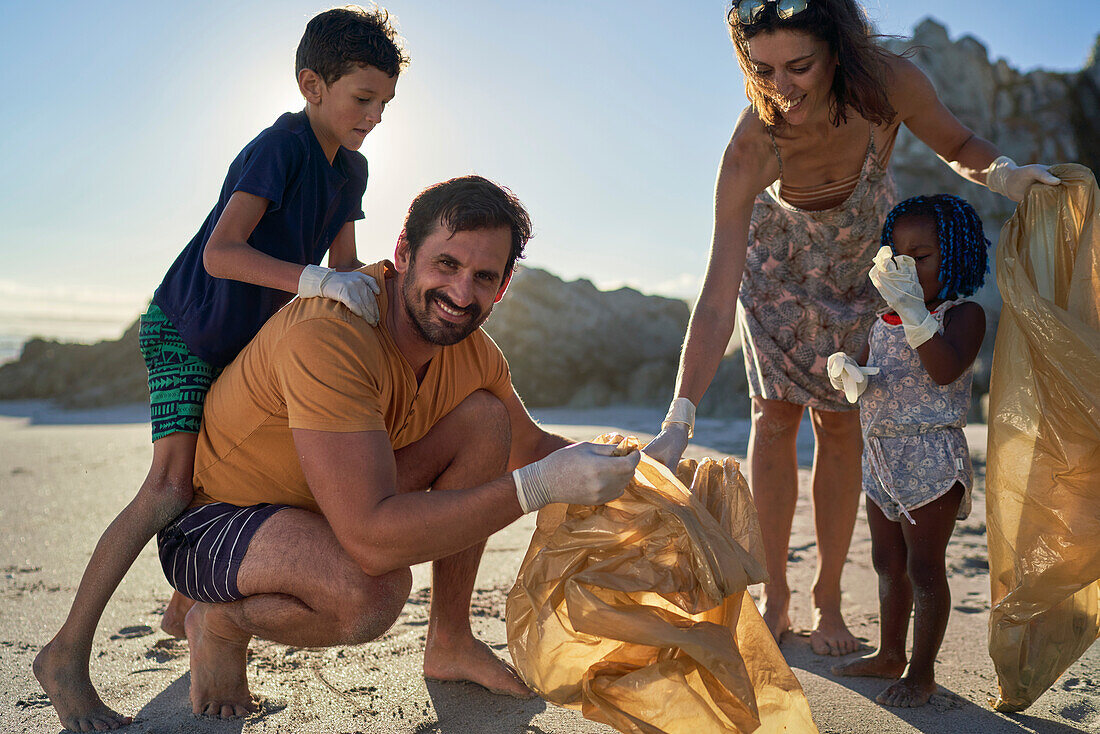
(334,455)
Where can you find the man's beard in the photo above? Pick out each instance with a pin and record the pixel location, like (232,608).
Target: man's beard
(440,333)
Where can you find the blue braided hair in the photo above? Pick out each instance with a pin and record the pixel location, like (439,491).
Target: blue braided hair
(963,244)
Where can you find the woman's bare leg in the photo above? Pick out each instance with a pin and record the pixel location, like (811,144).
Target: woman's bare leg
(773,479)
(837,475)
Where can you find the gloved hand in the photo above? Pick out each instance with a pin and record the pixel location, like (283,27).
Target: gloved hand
(668,446)
(1004,177)
(354,289)
(897,283)
(579,474)
(846,374)
(676,429)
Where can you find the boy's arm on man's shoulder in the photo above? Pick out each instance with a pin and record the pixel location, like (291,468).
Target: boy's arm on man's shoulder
(342,254)
(228,255)
(529,441)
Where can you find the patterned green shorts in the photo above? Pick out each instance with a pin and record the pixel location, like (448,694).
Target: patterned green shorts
(178,380)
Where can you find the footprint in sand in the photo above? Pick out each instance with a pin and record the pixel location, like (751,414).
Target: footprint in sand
(129,633)
(164,650)
(1081,712)
(968,609)
(1073,683)
(972,566)
(946,700)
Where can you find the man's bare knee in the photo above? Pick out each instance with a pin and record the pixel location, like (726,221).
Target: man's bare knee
(373,606)
(484,410)
(486,419)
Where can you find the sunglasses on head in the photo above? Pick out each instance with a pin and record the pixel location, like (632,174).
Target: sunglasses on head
(748,12)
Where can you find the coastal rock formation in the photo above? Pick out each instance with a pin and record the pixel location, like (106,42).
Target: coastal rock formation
(78,375)
(568,343)
(1034,117)
(571,344)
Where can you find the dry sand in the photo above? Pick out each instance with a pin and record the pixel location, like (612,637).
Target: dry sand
(64,475)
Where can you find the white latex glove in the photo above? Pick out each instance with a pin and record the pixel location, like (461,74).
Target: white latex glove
(1004,177)
(354,289)
(580,474)
(676,429)
(669,445)
(846,374)
(897,283)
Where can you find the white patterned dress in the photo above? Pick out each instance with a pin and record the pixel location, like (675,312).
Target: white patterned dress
(914,450)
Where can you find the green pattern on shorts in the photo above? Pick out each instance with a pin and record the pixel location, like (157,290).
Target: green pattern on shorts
(178,380)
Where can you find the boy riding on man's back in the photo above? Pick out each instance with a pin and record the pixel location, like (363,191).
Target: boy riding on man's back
(291,195)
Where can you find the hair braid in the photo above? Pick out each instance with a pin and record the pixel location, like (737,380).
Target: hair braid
(963,245)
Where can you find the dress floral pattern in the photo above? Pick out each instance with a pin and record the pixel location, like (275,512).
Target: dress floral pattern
(914,449)
(805,292)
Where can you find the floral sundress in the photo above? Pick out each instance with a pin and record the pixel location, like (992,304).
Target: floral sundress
(805,292)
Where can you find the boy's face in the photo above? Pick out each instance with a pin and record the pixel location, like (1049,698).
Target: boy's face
(349,108)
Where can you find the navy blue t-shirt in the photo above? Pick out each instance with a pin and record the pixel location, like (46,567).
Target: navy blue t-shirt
(311,201)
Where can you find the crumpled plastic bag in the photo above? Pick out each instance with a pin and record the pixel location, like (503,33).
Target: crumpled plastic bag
(636,612)
(1043,473)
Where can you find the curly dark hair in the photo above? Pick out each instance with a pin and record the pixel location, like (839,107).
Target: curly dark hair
(860,80)
(337,40)
(963,244)
(468,203)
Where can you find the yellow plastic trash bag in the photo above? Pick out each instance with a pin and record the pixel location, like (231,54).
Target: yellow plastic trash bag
(636,612)
(1043,474)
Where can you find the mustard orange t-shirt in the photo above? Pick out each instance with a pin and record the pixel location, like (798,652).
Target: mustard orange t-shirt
(316,365)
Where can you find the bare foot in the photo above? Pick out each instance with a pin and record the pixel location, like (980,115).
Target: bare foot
(219,682)
(470,659)
(875,665)
(63,675)
(907,693)
(172,621)
(830,636)
(776,604)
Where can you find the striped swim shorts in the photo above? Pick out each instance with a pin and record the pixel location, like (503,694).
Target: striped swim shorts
(202,549)
(178,380)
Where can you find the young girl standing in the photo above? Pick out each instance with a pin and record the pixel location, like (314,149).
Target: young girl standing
(915,397)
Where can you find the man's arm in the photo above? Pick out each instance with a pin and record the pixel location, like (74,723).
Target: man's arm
(353,477)
(529,441)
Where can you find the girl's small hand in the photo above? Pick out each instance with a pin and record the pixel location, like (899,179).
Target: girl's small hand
(846,374)
(895,277)
(902,292)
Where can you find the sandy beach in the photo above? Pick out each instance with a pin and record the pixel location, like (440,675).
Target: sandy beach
(64,475)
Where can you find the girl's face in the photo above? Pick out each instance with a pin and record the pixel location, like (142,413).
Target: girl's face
(799,69)
(915,236)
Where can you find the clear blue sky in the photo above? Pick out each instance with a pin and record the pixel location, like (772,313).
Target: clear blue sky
(606,118)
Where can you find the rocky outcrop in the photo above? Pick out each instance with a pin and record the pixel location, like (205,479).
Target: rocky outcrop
(568,343)
(1034,117)
(572,344)
(78,375)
